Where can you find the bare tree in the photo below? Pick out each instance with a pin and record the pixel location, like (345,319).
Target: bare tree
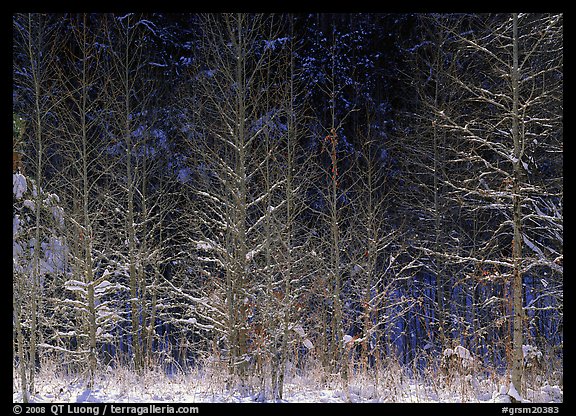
(84,174)
(373,241)
(501,67)
(130,121)
(233,118)
(34,76)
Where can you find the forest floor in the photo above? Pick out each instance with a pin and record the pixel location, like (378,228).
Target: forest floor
(118,385)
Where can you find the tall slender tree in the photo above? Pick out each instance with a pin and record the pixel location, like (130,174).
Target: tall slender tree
(35,59)
(503,75)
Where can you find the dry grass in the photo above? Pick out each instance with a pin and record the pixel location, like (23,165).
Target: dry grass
(390,382)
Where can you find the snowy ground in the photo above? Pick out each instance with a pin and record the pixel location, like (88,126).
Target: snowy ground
(122,386)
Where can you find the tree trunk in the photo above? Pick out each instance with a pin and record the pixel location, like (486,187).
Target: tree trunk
(517,354)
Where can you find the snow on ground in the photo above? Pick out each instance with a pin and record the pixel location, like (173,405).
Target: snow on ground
(122,386)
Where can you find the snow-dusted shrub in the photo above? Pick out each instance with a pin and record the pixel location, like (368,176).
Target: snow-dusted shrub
(19,185)
(53,250)
(457,361)
(532,356)
(534,372)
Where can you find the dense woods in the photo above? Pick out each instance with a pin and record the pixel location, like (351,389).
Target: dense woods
(266,194)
